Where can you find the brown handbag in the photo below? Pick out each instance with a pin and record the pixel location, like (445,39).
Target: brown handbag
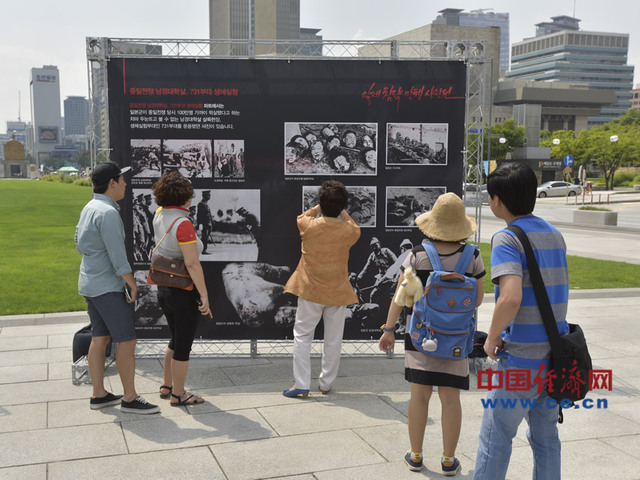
(167,271)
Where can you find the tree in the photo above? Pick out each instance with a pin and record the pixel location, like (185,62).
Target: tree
(511,132)
(613,144)
(565,146)
(495,150)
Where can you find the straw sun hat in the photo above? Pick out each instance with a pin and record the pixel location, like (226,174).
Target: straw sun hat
(447,220)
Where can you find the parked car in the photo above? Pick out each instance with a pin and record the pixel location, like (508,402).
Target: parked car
(475,196)
(558,189)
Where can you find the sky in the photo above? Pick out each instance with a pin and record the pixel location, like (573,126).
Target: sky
(38,32)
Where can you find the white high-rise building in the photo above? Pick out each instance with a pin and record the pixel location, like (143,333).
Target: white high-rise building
(45,111)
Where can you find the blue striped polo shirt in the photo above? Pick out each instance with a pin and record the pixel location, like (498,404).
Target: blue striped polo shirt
(526,342)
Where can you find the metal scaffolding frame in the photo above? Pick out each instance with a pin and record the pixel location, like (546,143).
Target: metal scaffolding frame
(101,50)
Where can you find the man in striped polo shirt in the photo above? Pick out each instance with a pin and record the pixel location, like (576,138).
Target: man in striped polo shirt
(517,337)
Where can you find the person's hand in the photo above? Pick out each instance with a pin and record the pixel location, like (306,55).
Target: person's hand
(203,306)
(387,342)
(133,293)
(492,346)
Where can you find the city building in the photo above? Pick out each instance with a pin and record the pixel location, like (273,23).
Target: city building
(251,19)
(561,52)
(561,106)
(313,42)
(635,103)
(4,138)
(480,18)
(76,116)
(13,162)
(19,128)
(45,111)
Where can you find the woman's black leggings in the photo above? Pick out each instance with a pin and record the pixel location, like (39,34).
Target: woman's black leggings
(181,310)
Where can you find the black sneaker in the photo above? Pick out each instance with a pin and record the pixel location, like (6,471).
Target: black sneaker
(451,470)
(100,402)
(139,405)
(414,465)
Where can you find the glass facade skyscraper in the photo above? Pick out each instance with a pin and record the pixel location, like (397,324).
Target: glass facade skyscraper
(76,115)
(562,53)
(261,19)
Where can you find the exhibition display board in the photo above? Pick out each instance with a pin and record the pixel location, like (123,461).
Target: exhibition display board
(257,137)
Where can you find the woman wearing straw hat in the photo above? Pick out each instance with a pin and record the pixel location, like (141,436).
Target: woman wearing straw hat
(447,226)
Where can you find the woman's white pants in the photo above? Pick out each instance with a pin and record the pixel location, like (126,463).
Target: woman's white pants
(307,318)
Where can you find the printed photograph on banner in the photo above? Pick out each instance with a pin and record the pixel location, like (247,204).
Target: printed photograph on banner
(228,223)
(361,203)
(404,204)
(145,158)
(330,149)
(144,207)
(149,315)
(417,143)
(375,282)
(256,291)
(192,158)
(228,159)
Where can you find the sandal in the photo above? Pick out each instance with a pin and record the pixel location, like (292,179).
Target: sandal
(165,387)
(190,400)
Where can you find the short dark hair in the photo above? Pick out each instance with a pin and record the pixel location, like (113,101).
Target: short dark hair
(172,190)
(516,185)
(103,187)
(333,198)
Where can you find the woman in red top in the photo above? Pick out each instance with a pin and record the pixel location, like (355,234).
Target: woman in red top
(182,307)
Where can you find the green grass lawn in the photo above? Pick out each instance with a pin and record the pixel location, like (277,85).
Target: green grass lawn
(584,273)
(39,268)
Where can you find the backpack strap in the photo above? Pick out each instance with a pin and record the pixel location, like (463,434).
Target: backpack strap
(463,262)
(432,253)
(465,259)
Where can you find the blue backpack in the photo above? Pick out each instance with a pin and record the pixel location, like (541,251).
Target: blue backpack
(443,320)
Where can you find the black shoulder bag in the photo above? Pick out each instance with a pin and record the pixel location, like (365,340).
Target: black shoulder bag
(570,363)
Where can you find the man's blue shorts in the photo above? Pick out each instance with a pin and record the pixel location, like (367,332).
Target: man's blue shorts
(112,316)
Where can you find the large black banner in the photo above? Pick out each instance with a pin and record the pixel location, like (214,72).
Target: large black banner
(257,138)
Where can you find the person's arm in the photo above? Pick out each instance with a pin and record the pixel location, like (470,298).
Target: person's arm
(192,262)
(505,311)
(480,298)
(133,287)
(388,339)
(305,218)
(390,255)
(366,268)
(112,233)
(347,218)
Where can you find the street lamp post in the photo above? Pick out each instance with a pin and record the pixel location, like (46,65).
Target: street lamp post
(613,139)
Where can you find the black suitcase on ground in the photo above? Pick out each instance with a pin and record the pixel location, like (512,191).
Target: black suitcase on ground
(81,342)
